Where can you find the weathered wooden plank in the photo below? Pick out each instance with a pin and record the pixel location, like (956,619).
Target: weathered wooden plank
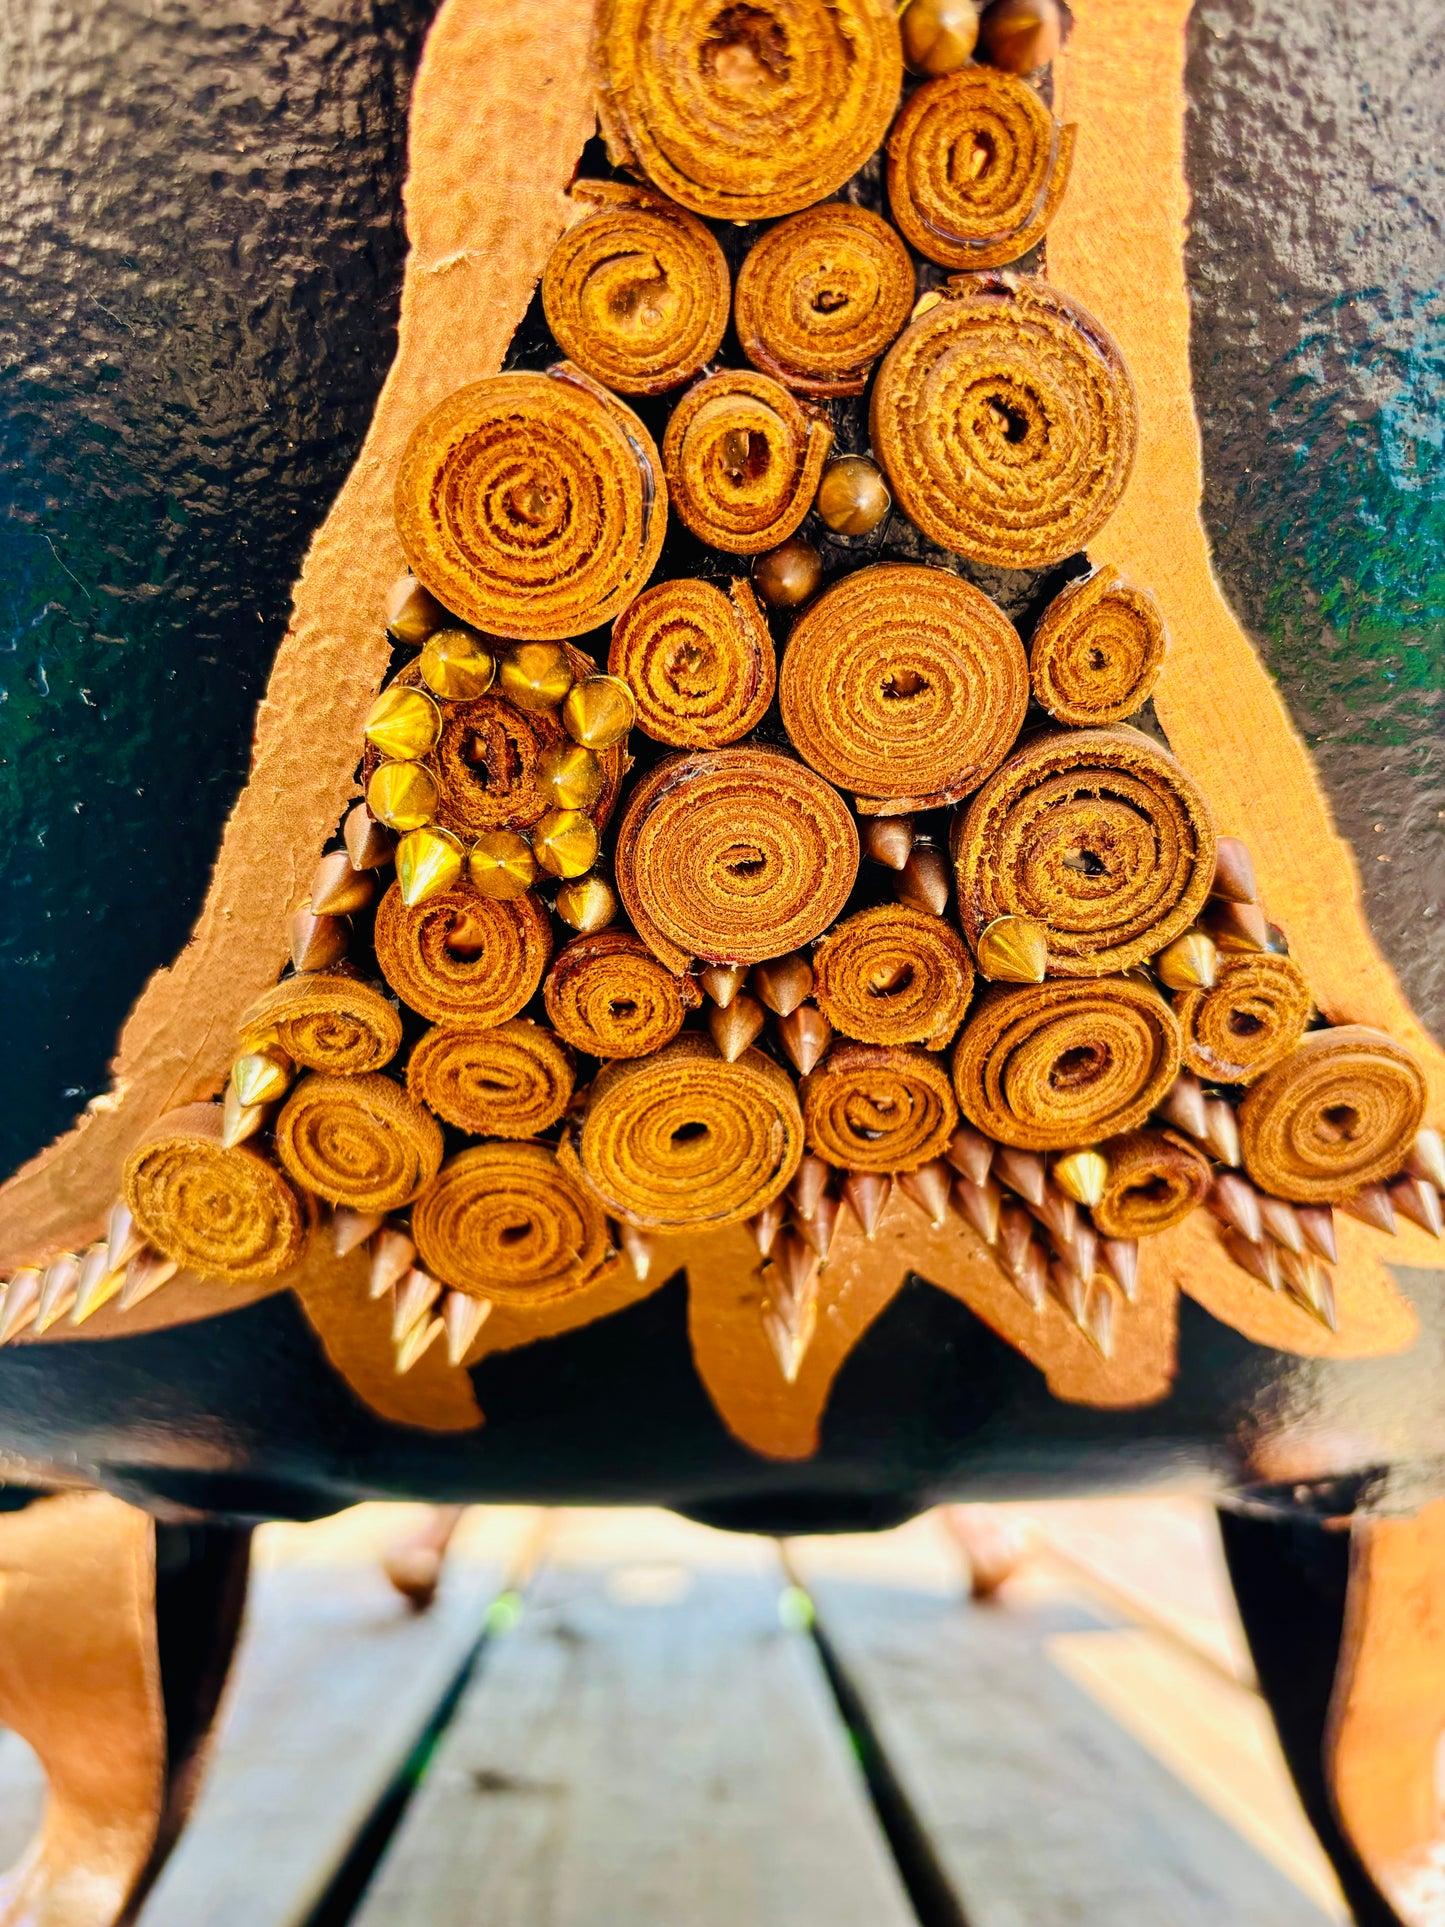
(1041,1810)
(650,1746)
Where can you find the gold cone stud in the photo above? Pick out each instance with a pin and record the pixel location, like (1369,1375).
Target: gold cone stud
(415,1342)
(403,723)
(866,1194)
(887,840)
(501,865)
(22,1301)
(1419,1201)
(722,982)
(979,1206)
(1013,950)
(1308,1283)
(352,1228)
(316,941)
(262,1076)
(817,1231)
(1059,1216)
(428,861)
(805,1035)
(58,1285)
(1221,1131)
(587,903)
(369,844)
(970,1153)
(923,881)
(1281,1222)
(457,665)
(239,1121)
(416,1293)
(412,613)
(535,675)
(1317,1222)
(392,1254)
(463,1316)
(853,497)
(783,982)
(1120,1258)
(766,1225)
(929,1188)
(599,711)
(1236,926)
(638,1249)
(569,776)
(1191,962)
(736,1027)
(1021,1171)
(564,843)
(1184,1106)
(1427,1158)
(403,796)
(810,1182)
(1236,1202)
(122,1238)
(97,1285)
(1233,871)
(787,576)
(144,1275)
(1261,1261)
(938,36)
(1082,1175)
(337,889)
(1372,1206)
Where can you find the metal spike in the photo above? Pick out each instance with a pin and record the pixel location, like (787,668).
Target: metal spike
(639,1249)
(240,1121)
(979,1205)
(1070,1290)
(1191,962)
(1261,1261)
(122,1238)
(392,1253)
(1419,1201)
(766,1225)
(1317,1222)
(783,982)
(1082,1175)
(1184,1106)
(923,881)
(805,1035)
(97,1283)
(887,840)
(817,1231)
(145,1274)
(58,1285)
(1233,871)
(1308,1283)
(415,1296)
(1221,1131)
(1021,1171)
(970,1153)
(1236,1201)
(1013,950)
(1083,1251)
(1098,1320)
(1372,1206)
(1427,1158)
(352,1228)
(463,1317)
(1015,1234)
(722,982)
(1059,1215)
(419,1338)
(795,1262)
(929,1187)
(1236,926)
(1281,1223)
(1030,1276)
(810,1181)
(22,1301)
(867,1194)
(737,1026)
(1120,1258)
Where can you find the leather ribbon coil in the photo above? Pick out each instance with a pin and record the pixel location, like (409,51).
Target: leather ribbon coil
(637,292)
(747,112)
(734,855)
(1156,1178)
(532,506)
(1097,651)
(685,1138)
(1098,835)
(1253,1017)
(609,996)
(327,1020)
(820,296)
(504,1080)
(1048,1067)
(1341,1111)
(224,1214)
(905,685)
(506,1222)
(1006,422)
(893,975)
(977,166)
(357,1141)
(872,1107)
(699,662)
(743,458)
(460,957)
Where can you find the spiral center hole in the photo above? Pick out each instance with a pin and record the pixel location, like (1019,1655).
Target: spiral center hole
(621,1009)
(891,983)
(1080,1065)
(745,455)
(516,1232)
(1012,421)
(980,156)
(1084,863)
(640,300)
(1244,1023)
(493,754)
(465,940)
(1340,1121)
(744,860)
(689,1133)
(1151,1191)
(902,684)
(829,301)
(746,50)
(528,502)
(1097,659)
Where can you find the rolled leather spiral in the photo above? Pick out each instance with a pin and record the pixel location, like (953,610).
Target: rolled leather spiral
(1097,651)
(503,1080)
(1254,1015)
(1156,1178)
(1098,835)
(460,957)
(977,166)
(506,1222)
(637,292)
(905,685)
(1341,1111)
(743,459)
(1048,1067)
(225,1214)
(878,1107)
(685,1138)
(893,975)
(609,996)
(532,505)
(357,1141)
(327,1020)
(747,112)
(734,855)
(1006,422)
(699,662)
(820,296)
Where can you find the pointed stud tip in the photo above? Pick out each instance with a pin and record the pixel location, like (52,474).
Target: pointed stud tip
(587,904)
(463,1317)
(867,1194)
(1021,1171)
(722,982)
(428,861)
(1372,1206)
(403,723)
(1082,1176)
(261,1077)
(338,888)
(923,883)
(350,1229)
(783,982)
(887,840)
(1191,962)
(144,1275)
(805,1034)
(1013,950)
(734,1028)
(416,1342)
(599,711)
(1427,1158)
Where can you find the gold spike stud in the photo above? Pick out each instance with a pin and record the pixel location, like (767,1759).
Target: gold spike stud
(337,889)
(122,1238)
(1120,1258)
(1427,1158)
(866,1194)
(796,1263)
(22,1301)
(501,865)
(810,1182)
(805,1035)
(1371,1205)
(392,1253)
(262,1076)
(938,35)
(789,575)
(1021,1171)
(587,903)
(722,982)
(457,665)
(416,1293)
(97,1283)
(1261,1261)
(971,1153)
(766,1225)
(428,861)
(403,723)
(417,1340)
(58,1285)
(1015,1232)
(1419,1201)
(887,840)
(1233,871)
(412,612)
(638,1247)
(929,1187)
(1236,926)
(144,1275)
(1184,1106)
(1191,962)
(403,796)
(1059,1215)
(1082,1175)
(1221,1131)
(463,1316)
(535,675)
(783,982)
(564,842)
(1097,1323)
(1317,1222)
(316,941)
(352,1228)
(239,1121)
(852,497)
(923,882)
(979,1205)
(570,776)
(1013,950)
(1235,1201)
(599,711)
(1281,1222)
(817,1231)
(1308,1283)
(368,843)
(736,1027)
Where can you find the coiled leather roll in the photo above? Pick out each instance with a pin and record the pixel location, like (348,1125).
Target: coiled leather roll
(460,957)
(225,1214)
(905,685)
(877,1107)
(685,1138)
(893,975)
(747,112)
(743,458)
(609,996)
(1097,834)
(1341,1111)
(820,296)
(357,1141)
(504,1080)
(1156,1178)
(1253,1016)
(1006,422)
(533,506)
(1048,1067)
(699,662)
(1097,651)
(734,855)
(506,1222)
(328,1020)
